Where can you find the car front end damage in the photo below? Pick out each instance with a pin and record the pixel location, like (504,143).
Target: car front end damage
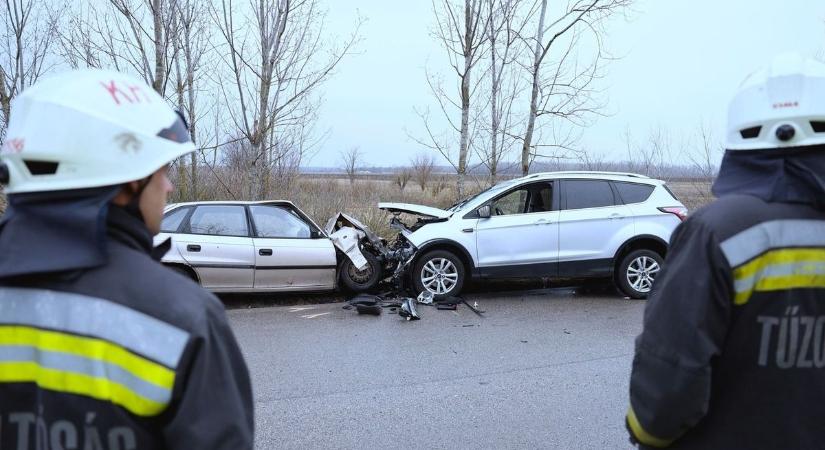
(356,242)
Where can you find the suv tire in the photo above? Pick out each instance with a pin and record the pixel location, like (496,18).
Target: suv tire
(440,272)
(637,271)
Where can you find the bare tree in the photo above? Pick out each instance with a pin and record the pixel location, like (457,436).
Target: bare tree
(422,169)
(503,31)
(351,162)
(29,32)
(462,36)
(593,162)
(277,62)
(705,159)
(650,157)
(563,87)
(127,35)
(402,178)
(190,41)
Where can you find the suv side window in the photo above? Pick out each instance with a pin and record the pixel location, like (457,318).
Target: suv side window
(536,197)
(633,192)
(580,194)
(219,220)
(278,222)
(172,220)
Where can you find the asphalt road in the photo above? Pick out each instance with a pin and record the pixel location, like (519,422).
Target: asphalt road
(541,369)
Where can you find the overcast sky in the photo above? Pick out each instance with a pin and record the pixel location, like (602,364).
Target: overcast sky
(681,61)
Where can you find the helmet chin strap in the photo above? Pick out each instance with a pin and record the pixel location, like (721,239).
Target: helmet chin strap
(133,207)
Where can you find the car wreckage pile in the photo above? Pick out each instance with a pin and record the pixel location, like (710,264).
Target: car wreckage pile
(373,262)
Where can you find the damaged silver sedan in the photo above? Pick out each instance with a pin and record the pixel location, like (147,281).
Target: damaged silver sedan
(272,246)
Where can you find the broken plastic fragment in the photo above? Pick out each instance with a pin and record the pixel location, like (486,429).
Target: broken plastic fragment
(408,309)
(425,298)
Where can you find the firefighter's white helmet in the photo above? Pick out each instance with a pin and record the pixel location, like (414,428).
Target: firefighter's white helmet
(89,128)
(781,105)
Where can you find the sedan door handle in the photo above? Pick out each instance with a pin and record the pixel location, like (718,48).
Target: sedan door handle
(615,216)
(542,222)
(193,248)
(265,252)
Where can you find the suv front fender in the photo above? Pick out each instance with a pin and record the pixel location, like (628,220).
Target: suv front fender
(449,245)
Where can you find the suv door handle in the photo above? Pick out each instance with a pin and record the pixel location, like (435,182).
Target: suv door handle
(193,248)
(265,252)
(615,216)
(542,222)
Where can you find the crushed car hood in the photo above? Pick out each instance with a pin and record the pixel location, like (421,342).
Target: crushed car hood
(420,210)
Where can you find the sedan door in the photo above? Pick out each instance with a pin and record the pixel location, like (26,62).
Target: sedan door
(290,253)
(521,236)
(217,244)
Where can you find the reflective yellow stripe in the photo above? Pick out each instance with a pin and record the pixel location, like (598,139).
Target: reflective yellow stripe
(73,383)
(780,256)
(782,283)
(90,348)
(643,436)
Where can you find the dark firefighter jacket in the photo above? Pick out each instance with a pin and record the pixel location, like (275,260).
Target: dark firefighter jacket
(732,354)
(101,347)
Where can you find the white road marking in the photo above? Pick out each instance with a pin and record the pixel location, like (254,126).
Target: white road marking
(312,316)
(300,308)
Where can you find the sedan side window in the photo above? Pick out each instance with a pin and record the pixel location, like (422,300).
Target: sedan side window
(219,220)
(171,220)
(588,194)
(278,222)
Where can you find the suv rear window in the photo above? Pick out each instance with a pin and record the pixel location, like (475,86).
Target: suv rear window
(633,192)
(670,192)
(581,194)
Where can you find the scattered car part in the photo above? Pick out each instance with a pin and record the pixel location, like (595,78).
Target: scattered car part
(347,239)
(425,298)
(408,310)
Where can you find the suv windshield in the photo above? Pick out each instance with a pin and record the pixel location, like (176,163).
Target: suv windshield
(498,187)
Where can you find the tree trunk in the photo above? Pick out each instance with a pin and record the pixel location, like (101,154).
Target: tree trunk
(531,119)
(160,47)
(493,104)
(465,97)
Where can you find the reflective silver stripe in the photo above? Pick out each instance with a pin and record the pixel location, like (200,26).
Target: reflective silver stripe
(77,364)
(754,241)
(778,270)
(94,317)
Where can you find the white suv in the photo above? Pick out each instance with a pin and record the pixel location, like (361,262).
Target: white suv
(558,225)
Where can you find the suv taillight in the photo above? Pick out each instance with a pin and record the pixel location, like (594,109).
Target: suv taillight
(678,211)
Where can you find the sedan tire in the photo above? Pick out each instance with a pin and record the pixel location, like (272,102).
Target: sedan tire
(358,281)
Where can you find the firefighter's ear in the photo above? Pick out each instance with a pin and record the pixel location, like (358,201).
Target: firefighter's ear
(127,192)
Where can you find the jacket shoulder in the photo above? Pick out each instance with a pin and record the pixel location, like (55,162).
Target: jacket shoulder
(137,281)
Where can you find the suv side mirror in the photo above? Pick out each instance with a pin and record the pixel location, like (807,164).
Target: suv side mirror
(484,212)
(315,234)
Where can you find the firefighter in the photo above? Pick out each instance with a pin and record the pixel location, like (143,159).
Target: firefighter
(101,347)
(732,354)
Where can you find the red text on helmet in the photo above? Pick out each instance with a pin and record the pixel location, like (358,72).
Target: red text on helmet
(129,93)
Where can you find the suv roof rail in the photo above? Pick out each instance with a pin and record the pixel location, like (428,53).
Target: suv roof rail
(588,172)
